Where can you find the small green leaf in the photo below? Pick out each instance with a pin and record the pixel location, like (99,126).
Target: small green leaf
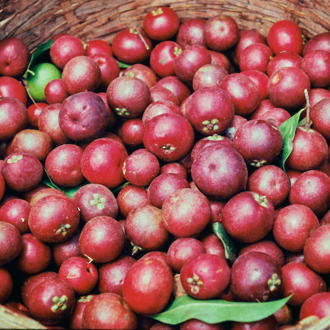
(229,245)
(215,311)
(120,187)
(40,50)
(288,130)
(123,65)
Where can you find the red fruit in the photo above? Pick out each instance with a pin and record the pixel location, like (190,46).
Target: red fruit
(276,116)
(17,213)
(220,59)
(181,250)
(148,286)
(205,276)
(11,87)
(258,141)
(102,162)
(243,92)
(219,172)
(34,111)
(130,198)
(210,110)
(22,172)
(66,48)
(293,225)
(209,75)
(14,57)
(159,93)
(169,137)
(281,60)
(55,91)
(213,245)
(35,255)
(320,41)
(316,250)
(318,305)
(161,23)
(174,168)
(248,217)
(102,239)
(221,33)
(131,46)
(312,189)
(6,285)
(112,274)
(98,47)
(269,323)
(191,32)
(135,170)
(189,61)
(286,88)
(285,35)
(142,72)
(108,311)
(260,79)
(80,273)
(54,219)
(95,200)
(162,58)
(255,276)
(302,282)
(270,181)
(14,117)
(235,124)
(320,117)
(52,301)
(145,222)
(197,324)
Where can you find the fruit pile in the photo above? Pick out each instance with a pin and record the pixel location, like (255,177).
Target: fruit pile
(178,178)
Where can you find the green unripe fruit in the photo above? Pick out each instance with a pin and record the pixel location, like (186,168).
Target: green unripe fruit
(39,76)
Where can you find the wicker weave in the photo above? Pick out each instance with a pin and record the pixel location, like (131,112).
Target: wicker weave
(35,21)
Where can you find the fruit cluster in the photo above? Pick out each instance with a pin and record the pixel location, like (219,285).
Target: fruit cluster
(185,167)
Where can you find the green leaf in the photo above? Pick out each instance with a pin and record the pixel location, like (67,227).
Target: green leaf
(288,130)
(40,50)
(123,65)
(215,311)
(120,187)
(229,245)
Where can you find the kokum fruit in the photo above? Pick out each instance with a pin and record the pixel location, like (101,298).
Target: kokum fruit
(210,110)
(258,141)
(219,172)
(248,217)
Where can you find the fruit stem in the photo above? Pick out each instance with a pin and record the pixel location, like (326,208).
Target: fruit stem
(308,108)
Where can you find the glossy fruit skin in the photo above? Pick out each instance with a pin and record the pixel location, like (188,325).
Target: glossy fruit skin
(174,168)
(35,255)
(302,282)
(285,35)
(98,47)
(148,296)
(270,181)
(212,270)
(318,305)
(108,311)
(181,220)
(213,245)
(44,306)
(191,32)
(11,87)
(102,239)
(128,47)
(316,251)
(319,42)
(55,92)
(161,23)
(320,117)
(22,172)
(283,59)
(197,324)
(209,75)
(258,141)
(248,217)
(83,117)
(260,79)
(81,274)
(66,48)
(293,225)
(162,139)
(53,219)
(145,222)
(15,56)
(14,117)
(210,110)
(102,162)
(162,58)
(284,92)
(255,276)
(11,242)
(221,33)
(268,323)
(6,286)
(34,111)
(95,200)
(217,164)
(112,274)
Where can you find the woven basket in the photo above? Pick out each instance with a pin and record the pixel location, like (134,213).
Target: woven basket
(36,21)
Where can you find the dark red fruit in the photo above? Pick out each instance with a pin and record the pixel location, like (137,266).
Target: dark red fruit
(55,91)
(142,72)
(34,111)
(320,41)
(209,75)
(6,285)
(174,168)
(11,87)
(281,60)
(98,46)
(255,276)
(213,245)
(268,323)
(205,276)
(260,79)
(320,117)
(318,305)
(191,32)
